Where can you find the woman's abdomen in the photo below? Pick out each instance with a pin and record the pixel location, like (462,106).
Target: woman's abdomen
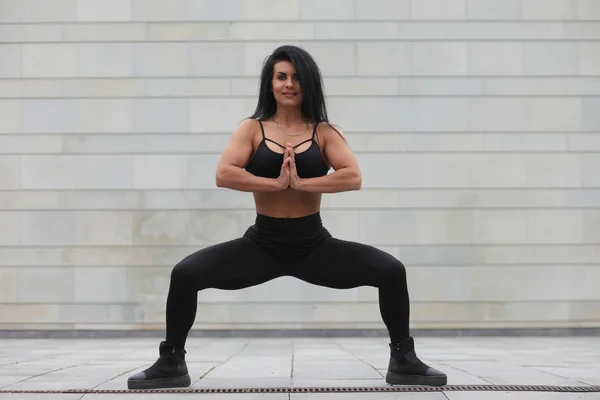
(287,204)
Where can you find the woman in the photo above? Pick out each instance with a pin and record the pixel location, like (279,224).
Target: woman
(282,154)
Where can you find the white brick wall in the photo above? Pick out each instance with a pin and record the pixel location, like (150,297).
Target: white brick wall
(483,112)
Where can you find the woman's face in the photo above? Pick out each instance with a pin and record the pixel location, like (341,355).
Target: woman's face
(286,86)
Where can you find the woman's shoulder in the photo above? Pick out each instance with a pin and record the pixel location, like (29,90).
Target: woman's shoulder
(250,123)
(327,129)
(248,126)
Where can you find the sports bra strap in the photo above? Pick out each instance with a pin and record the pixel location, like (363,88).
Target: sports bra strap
(315,130)
(301,143)
(262,129)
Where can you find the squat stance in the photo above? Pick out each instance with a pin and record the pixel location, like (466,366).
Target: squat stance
(282,154)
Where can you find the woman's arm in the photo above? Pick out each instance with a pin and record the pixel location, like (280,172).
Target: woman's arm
(347,175)
(230,169)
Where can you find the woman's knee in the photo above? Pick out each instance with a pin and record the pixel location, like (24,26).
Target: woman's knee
(395,272)
(183,273)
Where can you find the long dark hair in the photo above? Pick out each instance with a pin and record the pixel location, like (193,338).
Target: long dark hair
(313,104)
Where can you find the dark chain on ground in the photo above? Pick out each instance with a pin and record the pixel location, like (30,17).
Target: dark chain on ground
(448,388)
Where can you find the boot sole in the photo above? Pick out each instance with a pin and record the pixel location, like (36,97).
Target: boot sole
(399,379)
(161,383)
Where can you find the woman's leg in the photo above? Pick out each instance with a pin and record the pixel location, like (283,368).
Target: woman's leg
(231,265)
(235,264)
(342,264)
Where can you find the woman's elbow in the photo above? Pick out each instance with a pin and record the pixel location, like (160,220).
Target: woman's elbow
(356,180)
(221,177)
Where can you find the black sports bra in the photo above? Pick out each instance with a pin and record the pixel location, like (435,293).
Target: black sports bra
(267,163)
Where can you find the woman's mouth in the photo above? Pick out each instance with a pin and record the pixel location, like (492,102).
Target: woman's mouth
(289,94)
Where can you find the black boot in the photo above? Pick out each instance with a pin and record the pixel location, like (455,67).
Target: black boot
(168,371)
(405,368)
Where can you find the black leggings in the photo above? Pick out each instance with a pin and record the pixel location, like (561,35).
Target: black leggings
(298,247)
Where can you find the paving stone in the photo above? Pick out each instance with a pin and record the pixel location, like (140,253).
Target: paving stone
(519,396)
(106,364)
(369,396)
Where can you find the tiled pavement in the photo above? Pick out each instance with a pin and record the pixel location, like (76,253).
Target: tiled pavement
(100,364)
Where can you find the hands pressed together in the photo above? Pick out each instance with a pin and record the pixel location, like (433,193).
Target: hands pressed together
(288,177)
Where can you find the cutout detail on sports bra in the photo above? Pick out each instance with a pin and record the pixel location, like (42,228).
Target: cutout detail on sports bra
(267,159)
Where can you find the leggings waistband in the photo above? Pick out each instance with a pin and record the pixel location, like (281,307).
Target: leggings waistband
(288,237)
(290,225)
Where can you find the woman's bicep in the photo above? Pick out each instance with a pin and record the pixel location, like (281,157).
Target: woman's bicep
(239,148)
(336,149)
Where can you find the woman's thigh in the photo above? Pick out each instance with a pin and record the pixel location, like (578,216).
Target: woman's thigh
(235,264)
(345,264)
